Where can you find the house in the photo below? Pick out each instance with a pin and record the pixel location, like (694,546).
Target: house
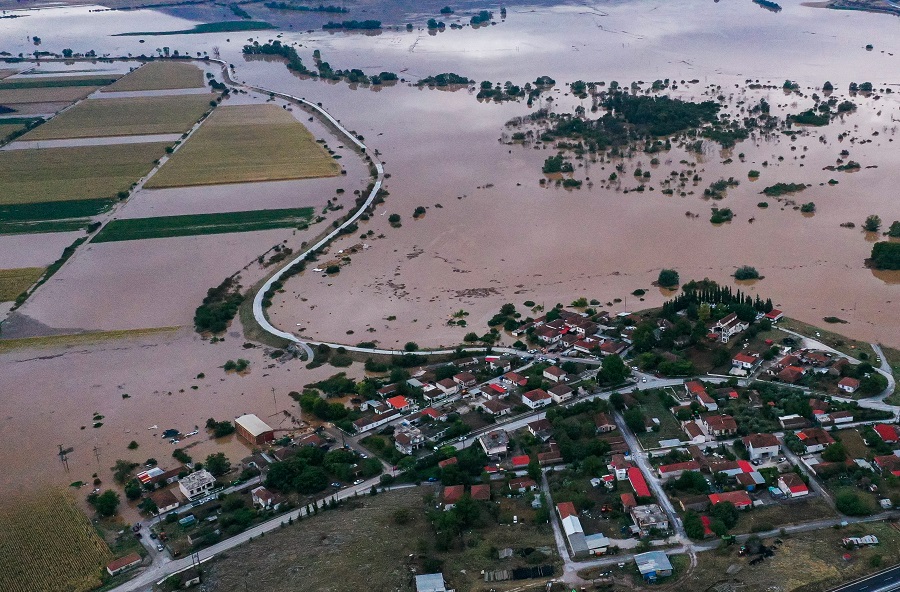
(612,348)
(121,564)
(551,455)
(431,583)
(514,379)
(568,516)
(750,481)
(520,462)
(697,503)
(816,358)
(740,499)
(815,439)
(628,501)
(465,379)
(674,471)
(774,315)
(265,499)
(728,327)
(447,462)
(498,363)
(694,432)
(157,475)
(496,389)
(719,425)
(495,407)
(648,517)
(697,391)
(653,565)
(432,393)
(451,495)
(604,423)
(522,484)
(561,393)
(536,399)
(494,443)
(886,432)
(744,361)
(791,374)
(197,484)
(598,544)
(555,374)
(761,446)
(793,422)
(432,413)
(387,391)
(365,424)
(447,386)
(619,466)
(849,385)
(253,430)
(888,464)
(165,500)
(408,440)
(792,485)
(587,345)
(638,483)
(731,468)
(541,429)
(839,417)
(399,403)
(547,334)
(481,493)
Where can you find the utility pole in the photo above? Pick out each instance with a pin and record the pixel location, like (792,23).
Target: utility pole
(274,400)
(63,458)
(97,454)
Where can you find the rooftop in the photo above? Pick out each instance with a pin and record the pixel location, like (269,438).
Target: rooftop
(254,425)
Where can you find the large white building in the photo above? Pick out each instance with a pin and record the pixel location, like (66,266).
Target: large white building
(197,484)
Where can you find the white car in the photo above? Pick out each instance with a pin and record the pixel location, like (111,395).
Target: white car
(358,481)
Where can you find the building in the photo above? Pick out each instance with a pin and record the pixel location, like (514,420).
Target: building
(638,483)
(165,500)
(628,501)
(761,446)
(522,484)
(740,499)
(849,385)
(728,327)
(568,516)
(791,374)
(495,407)
(653,565)
(408,439)
(197,484)
(744,361)
(366,424)
(465,379)
(536,399)
(494,443)
(541,429)
(774,315)
(554,374)
(399,403)
(792,485)
(886,432)
(674,471)
(431,583)
(520,462)
(481,492)
(604,423)
(698,392)
(121,564)
(157,475)
(694,432)
(561,393)
(719,425)
(612,348)
(447,386)
(597,544)
(619,465)
(451,495)
(815,439)
(649,517)
(888,463)
(265,499)
(253,430)
(514,379)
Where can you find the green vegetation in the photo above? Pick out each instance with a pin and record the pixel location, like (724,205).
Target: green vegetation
(668,278)
(810,117)
(15,281)
(319,8)
(872,223)
(557,164)
(894,230)
(160,75)
(747,272)
(780,189)
(886,255)
(720,216)
(220,27)
(447,79)
(201,224)
(294,63)
(808,208)
(753,174)
(58,82)
(220,429)
(481,18)
(106,503)
(367,25)
(41,227)
(718,189)
(49,216)
(219,307)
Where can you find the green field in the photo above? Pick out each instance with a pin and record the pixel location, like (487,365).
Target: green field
(160,75)
(54,210)
(69,174)
(15,281)
(220,27)
(8,129)
(194,224)
(246,143)
(43,226)
(125,117)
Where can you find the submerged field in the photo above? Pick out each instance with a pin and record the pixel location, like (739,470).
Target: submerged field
(159,76)
(197,224)
(123,117)
(69,174)
(246,143)
(15,281)
(47,544)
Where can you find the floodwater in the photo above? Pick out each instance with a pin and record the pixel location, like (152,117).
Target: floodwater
(33,250)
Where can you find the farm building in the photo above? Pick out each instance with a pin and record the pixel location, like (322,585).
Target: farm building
(653,565)
(253,430)
(123,563)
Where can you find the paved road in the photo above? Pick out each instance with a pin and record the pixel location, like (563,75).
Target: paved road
(882,581)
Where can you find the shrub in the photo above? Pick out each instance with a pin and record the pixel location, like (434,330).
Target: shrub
(668,278)
(746,272)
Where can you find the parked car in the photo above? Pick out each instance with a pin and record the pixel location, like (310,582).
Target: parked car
(358,481)
(152,535)
(336,484)
(159,547)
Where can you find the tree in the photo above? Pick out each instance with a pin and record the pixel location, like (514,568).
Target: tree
(132,445)
(122,470)
(394,220)
(106,503)
(834,453)
(218,464)
(894,230)
(634,419)
(693,526)
(612,370)
(726,512)
(872,223)
(411,346)
(668,278)
(67,53)
(133,489)
(852,504)
(534,469)
(617,401)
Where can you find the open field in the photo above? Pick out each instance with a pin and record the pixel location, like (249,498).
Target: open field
(15,281)
(11,96)
(42,226)
(125,117)
(7,129)
(160,75)
(54,210)
(47,544)
(775,515)
(78,339)
(57,82)
(195,224)
(244,143)
(69,174)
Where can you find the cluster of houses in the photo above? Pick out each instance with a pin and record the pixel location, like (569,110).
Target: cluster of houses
(793,366)
(573,331)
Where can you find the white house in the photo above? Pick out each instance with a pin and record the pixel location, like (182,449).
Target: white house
(848,385)
(761,446)
(265,499)
(728,327)
(536,399)
(792,485)
(448,386)
(555,374)
(744,361)
(561,393)
(197,484)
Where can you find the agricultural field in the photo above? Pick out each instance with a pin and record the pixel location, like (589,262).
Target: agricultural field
(246,143)
(125,117)
(43,226)
(80,339)
(57,82)
(159,76)
(70,174)
(7,129)
(63,94)
(195,224)
(15,281)
(47,544)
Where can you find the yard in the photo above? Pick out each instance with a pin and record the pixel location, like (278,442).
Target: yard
(47,544)
(160,75)
(124,117)
(199,224)
(15,281)
(70,174)
(853,443)
(652,408)
(566,486)
(245,143)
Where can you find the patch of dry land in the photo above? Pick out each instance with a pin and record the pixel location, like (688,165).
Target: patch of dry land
(15,281)
(47,544)
(246,143)
(159,75)
(67,174)
(68,94)
(125,117)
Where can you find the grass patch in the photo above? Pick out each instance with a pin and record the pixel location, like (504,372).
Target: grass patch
(652,407)
(850,347)
(63,550)
(246,143)
(15,281)
(221,27)
(54,210)
(125,117)
(59,82)
(45,226)
(853,443)
(160,75)
(78,339)
(199,224)
(8,129)
(778,515)
(69,174)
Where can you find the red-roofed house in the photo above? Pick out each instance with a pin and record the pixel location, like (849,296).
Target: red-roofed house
(694,432)
(604,423)
(791,374)
(481,493)
(555,374)
(465,379)
(566,509)
(674,471)
(740,499)
(628,501)
(536,399)
(448,461)
(775,315)
(848,385)
(434,414)
(520,462)
(121,564)
(792,485)
(452,494)
(522,484)
(744,361)
(447,386)
(514,379)
(719,425)
(815,439)
(612,348)
(698,392)
(888,464)
(497,388)
(638,483)
(495,407)
(399,403)
(888,433)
